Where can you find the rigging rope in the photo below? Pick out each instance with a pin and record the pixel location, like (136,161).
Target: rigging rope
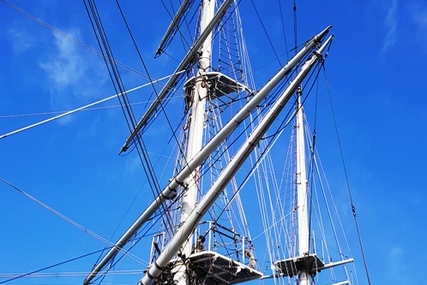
(295,25)
(47,267)
(70,221)
(63,114)
(151,81)
(184,161)
(283,27)
(57,213)
(266,33)
(353,207)
(118,84)
(256,164)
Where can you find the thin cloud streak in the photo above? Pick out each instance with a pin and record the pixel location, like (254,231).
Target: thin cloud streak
(73,76)
(391,26)
(65,68)
(20,40)
(419,18)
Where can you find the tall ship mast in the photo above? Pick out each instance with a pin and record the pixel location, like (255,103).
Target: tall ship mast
(190,249)
(238,190)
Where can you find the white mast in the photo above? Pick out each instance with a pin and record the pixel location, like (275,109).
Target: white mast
(305,265)
(301,180)
(169,189)
(198,99)
(198,102)
(227,271)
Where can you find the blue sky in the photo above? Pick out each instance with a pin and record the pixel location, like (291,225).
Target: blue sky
(377,75)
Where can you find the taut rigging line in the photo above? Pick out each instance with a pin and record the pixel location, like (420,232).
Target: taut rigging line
(79,109)
(353,207)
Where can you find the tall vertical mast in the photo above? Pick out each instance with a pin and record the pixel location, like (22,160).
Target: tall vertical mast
(198,99)
(199,96)
(301,179)
(304,265)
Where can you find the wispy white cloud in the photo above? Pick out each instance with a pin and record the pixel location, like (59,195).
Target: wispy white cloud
(71,72)
(418,12)
(391,25)
(396,268)
(20,39)
(65,67)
